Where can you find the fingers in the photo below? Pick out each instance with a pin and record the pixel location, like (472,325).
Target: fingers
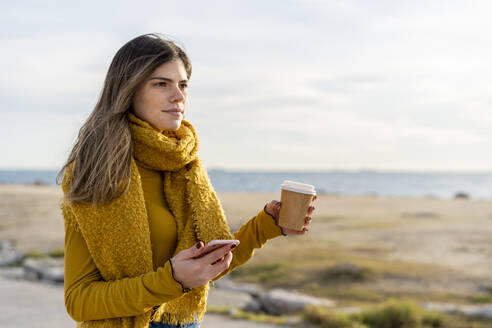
(217,254)
(221,265)
(277,206)
(296,232)
(273,208)
(221,259)
(192,252)
(310,210)
(274,204)
(192,271)
(304,230)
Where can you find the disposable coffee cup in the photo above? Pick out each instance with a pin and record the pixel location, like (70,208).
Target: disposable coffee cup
(296,198)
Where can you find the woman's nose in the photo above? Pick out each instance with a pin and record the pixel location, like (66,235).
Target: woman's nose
(177,95)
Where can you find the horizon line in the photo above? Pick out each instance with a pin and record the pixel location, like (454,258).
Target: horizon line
(291,170)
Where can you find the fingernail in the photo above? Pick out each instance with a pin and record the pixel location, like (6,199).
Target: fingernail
(199,245)
(233,246)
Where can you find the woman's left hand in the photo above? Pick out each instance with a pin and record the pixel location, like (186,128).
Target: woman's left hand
(273,208)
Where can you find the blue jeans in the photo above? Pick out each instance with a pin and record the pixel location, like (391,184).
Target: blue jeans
(195,324)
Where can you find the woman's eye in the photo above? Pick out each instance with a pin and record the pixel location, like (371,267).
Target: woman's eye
(161,84)
(184,86)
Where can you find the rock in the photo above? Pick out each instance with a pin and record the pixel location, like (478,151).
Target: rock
(47,269)
(278,301)
(39,182)
(461,195)
(253,306)
(442,307)
(274,302)
(8,255)
(345,268)
(485,288)
(484,311)
(479,311)
(346,271)
(16,273)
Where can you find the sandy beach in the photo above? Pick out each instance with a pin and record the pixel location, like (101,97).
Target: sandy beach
(426,248)
(451,233)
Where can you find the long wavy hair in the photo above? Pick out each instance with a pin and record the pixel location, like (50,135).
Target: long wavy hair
(100,161)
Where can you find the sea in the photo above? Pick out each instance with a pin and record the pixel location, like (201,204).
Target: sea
(365,182)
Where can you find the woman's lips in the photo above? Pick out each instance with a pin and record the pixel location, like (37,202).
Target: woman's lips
(173,113)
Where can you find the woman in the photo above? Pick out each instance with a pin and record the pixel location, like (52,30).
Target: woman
(138,205)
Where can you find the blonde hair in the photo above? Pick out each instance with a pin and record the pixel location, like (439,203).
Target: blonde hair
(103,151)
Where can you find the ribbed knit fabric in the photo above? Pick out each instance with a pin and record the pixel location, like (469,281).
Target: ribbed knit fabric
(118,236)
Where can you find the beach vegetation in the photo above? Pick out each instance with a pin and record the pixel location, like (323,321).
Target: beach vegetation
(390,314)
(57,252)
(481,299)
(398,314)
(236,313)
(35,254)
(263,273)
(331,271)
(329,318)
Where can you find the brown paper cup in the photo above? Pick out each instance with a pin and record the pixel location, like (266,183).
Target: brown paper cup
(294,208)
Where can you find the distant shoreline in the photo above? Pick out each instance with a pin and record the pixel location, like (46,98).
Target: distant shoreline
(30,187)
(439,185)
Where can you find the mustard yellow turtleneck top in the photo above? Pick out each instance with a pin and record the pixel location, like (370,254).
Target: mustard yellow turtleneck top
(89,297)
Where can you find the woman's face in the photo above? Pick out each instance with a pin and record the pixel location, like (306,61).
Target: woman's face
(161,99)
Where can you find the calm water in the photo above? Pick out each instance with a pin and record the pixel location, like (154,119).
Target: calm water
(441,185)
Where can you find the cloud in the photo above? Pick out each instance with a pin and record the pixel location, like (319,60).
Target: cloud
(53,69)
(277,84)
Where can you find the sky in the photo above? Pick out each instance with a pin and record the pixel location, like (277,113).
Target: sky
(276,85)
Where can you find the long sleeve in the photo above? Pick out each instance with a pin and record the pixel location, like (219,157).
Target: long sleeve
(252,235)
(89,297)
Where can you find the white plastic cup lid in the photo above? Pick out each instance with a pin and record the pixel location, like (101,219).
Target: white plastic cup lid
(298,187)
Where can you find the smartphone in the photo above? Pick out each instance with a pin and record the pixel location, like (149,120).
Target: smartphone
(216,244)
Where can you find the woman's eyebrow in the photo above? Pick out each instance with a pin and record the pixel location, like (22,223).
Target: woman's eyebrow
(165,79)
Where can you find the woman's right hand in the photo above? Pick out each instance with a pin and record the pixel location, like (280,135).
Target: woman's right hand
(192,271)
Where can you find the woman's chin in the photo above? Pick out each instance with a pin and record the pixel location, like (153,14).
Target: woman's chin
(171,126)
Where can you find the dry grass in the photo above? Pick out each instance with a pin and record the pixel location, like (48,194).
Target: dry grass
(426,249)
(30,216)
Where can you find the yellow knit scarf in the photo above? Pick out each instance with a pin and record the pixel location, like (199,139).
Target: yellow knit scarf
(118,235)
